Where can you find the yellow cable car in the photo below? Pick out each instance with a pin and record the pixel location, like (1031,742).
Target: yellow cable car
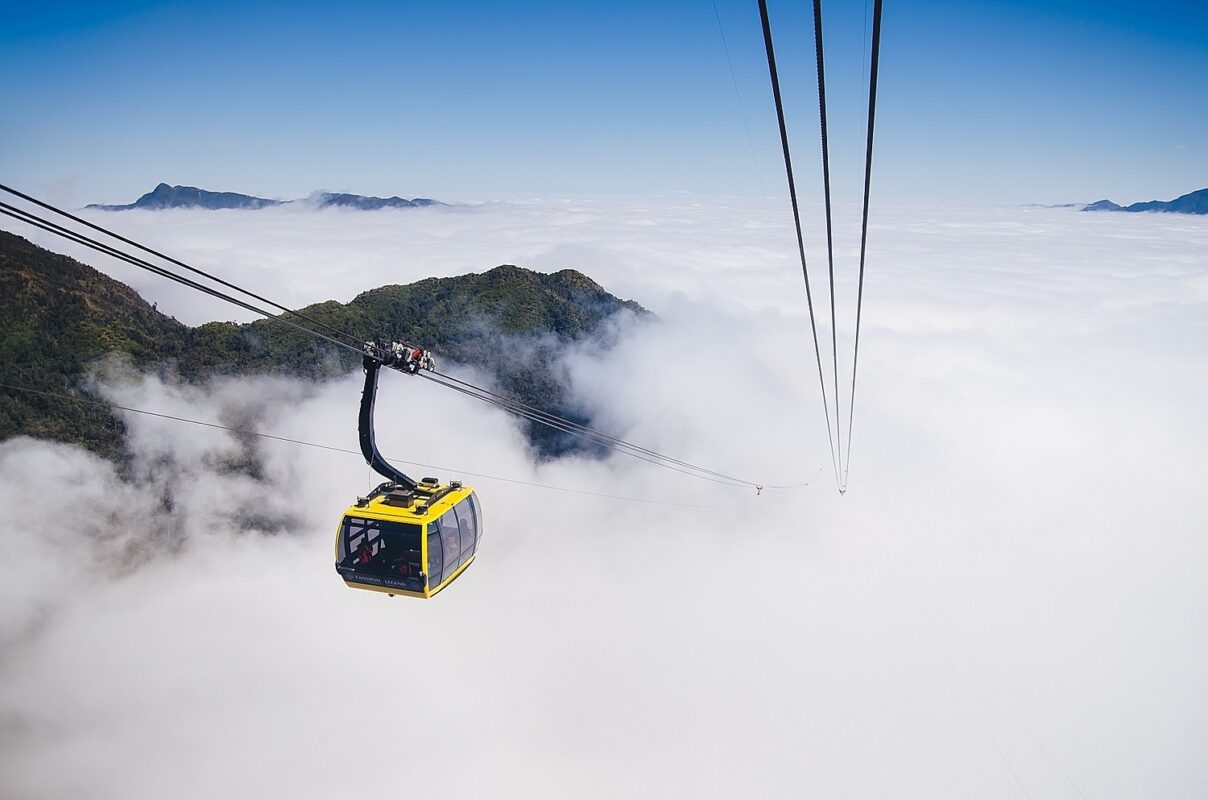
(413,542)
(405,538)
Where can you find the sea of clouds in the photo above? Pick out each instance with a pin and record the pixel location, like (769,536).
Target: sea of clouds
(1008,602)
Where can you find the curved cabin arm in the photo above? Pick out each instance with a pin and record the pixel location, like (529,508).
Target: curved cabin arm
(365,424)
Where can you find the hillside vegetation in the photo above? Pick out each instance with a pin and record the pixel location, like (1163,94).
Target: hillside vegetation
(60,316)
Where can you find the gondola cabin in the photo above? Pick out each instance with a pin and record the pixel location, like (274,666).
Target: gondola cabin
(412,542)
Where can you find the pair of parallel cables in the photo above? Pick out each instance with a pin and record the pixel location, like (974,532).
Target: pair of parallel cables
(326,332)
(833,429)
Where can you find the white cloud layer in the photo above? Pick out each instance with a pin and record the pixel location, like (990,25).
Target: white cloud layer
(1009,600)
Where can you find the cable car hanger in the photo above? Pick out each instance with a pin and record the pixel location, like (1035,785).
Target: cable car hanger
(405,358)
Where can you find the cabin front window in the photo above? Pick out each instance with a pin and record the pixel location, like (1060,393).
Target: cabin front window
(377,547)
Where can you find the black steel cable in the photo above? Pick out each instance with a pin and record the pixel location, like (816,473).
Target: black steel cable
(872,115)
(453,470)
(79,238)
(788,167)
(177,262)
(620,446)
(610,442)
(586,434)
(598,437)
(826,193)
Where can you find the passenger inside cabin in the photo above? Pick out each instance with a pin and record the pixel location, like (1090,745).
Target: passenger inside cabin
(363,554)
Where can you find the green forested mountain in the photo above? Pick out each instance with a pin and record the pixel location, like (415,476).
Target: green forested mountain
(58,316)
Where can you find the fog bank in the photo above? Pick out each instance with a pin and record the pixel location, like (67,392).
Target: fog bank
(1007,602)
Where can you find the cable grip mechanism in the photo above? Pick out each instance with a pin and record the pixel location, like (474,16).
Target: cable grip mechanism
(398,355)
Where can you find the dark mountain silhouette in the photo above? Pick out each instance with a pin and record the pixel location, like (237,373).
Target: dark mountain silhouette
(165,196)
(61,316)
(1191,203)
(362,203)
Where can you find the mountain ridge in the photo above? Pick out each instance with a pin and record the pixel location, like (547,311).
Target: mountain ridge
(63,316)
(164,196)
(1191,203)
(366,203)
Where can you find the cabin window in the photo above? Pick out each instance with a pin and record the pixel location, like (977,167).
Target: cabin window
(472,501)
(450,535)
(467,525)
(378,547)
(452,540)
(436,559)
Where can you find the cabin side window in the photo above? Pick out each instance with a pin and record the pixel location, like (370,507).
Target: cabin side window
(452,540)
(467,525)
(477,509)
(436,559)
(451,537)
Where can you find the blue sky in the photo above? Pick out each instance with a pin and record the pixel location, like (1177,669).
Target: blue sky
(979,102)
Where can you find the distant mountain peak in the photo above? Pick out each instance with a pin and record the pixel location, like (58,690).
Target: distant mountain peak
(1191,203)
(364,203)
(165,196)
